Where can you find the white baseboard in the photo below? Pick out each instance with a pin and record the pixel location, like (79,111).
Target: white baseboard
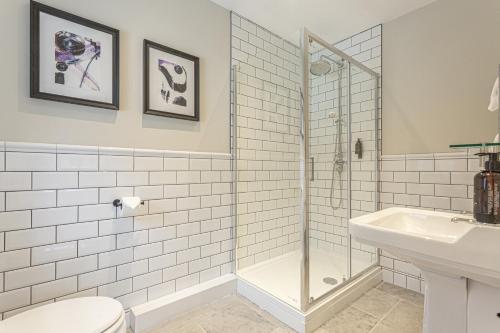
(157,312)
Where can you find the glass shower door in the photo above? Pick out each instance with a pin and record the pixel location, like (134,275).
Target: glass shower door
(340,169)
(329,166)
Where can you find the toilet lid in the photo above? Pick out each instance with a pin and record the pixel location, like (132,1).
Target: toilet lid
(78,315)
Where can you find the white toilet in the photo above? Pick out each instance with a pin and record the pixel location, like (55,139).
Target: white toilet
(78,315)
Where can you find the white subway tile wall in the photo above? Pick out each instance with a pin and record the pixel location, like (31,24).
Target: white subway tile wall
(442,182)
(268,81)
(61,237)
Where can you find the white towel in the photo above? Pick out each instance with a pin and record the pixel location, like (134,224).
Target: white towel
(494,97)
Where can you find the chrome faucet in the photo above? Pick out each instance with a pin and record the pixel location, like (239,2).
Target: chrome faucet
(470,220)
(463,219)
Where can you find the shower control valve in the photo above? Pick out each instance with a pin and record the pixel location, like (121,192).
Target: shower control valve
(358,149)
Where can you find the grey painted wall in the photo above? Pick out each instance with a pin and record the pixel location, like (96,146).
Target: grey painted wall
(439,64)
(198,27)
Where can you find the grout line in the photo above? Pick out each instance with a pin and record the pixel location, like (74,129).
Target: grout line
(385,316)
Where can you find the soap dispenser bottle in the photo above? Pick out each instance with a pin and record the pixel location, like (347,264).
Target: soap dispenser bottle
(487,191)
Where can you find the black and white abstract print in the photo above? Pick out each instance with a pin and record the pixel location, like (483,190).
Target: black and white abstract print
(171,82)
(174,82)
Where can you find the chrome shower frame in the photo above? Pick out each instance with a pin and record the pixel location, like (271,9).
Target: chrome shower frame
(306,38)
(338,63)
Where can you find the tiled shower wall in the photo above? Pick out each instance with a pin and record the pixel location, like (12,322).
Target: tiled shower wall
(268,81)
(440,182)
(60,235)
(328,225)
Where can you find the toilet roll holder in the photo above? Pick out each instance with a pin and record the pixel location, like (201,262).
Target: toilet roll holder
(118,203)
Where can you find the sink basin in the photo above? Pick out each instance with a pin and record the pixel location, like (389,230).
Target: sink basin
(448,253)
(420,224)
(431,241)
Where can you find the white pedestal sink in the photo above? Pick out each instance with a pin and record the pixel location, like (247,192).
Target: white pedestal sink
(448,253)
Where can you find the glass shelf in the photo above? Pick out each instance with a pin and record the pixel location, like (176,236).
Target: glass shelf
(484,148)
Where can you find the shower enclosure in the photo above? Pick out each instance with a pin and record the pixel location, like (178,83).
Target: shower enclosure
(305,160)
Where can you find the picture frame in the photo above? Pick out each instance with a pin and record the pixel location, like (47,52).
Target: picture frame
(72,59)
(171,82)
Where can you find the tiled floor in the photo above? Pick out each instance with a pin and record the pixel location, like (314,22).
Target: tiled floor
(384,309)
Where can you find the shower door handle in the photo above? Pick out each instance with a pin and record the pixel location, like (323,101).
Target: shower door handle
(312,168)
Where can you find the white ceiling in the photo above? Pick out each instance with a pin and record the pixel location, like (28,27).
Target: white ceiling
(333,20)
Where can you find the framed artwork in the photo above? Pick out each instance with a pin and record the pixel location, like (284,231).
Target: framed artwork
(73,60)
(171,82)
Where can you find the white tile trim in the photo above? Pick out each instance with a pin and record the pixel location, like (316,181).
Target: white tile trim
(200,155)
(26,147)
(393,157)
(419,156)
(73,149)
(453,155)
(116,151)
(148,152)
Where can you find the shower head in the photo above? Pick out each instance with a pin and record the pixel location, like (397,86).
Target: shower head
(323,65)
(320,67)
